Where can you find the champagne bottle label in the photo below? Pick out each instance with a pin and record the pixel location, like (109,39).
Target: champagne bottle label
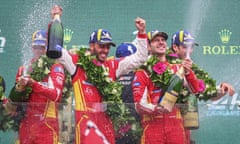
(175,85)
(55,39)
(191,119)
(168,101)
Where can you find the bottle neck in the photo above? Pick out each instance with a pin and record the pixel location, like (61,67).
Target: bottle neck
(56,17)
(180,72)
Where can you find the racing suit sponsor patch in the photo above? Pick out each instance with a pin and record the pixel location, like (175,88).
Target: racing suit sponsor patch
(58,69)
(136,84)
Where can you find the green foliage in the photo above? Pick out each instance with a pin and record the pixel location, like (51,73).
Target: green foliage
(1,87)
(159,80)
(7,122)
(98,75)
(163,79)
(210,84)
(39,70)
(111,92)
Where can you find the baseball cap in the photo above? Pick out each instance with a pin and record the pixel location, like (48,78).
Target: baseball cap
(104,37)
(152,34)
(93,37)
(39,38)
(125,49)
(183,37)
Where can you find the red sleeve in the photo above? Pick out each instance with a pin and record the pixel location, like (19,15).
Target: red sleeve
(139,84)
(143,36)
(55,85)
(74,58)
(19,73)
(193,82)
(141,96)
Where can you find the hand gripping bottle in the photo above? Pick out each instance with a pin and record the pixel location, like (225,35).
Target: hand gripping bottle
(55,34)
(18,92)
(174,87)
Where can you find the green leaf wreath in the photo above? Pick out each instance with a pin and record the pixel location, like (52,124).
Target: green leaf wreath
(5,121)
(2,89)
(161,80)
(39,70)
(210,84)
(124,123)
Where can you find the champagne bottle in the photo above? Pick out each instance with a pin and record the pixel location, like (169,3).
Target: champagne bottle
(190,116)
(18,91)
(55,37)
(175,85)
(15,96)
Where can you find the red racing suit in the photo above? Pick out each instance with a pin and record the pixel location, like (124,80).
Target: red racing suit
(93,126)
(40,123)
(158,127)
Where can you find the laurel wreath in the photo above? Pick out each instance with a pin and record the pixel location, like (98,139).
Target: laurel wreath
(159,79)
(124,123)
(162,80)
(38,71)
(1,88)
(41,69)
(5,121)
(210,84)
(111,91)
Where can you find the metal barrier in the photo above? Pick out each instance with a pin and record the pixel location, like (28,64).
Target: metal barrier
(214,122)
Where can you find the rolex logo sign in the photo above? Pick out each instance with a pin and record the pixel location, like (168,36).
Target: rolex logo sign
(68,33)
(223,48)
(225,35)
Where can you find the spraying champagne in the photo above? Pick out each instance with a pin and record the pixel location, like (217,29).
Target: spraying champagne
(174,87)
(190,115)
(25,73)
(18,93)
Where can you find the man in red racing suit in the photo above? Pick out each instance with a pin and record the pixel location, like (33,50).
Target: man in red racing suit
(160,127)
(40,122)
(179,50)
(93,126)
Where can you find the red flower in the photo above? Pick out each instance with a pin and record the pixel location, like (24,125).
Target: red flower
(160,68)
(201,85)
(5,100)
(173,55)
(124,129)
(97,63)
